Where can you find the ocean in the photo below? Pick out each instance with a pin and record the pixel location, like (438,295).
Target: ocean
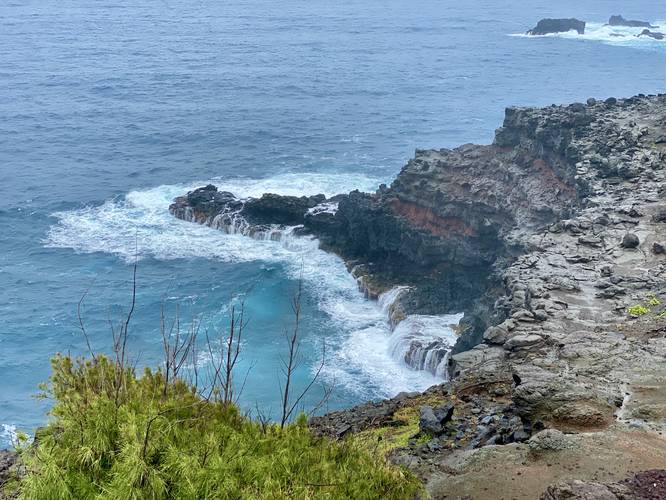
(109,110)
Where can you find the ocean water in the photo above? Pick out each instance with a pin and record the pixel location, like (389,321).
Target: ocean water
(110,109)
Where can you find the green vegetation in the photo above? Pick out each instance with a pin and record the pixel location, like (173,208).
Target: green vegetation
(651,301)
(405,426)
(638,310)
(116,435)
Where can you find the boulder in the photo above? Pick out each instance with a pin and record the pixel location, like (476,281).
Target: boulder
(621,21)
(444,413)
(658,248)
(579,490)
(630,240)
(428,421)
(547,26)
(548,440)
(660,216)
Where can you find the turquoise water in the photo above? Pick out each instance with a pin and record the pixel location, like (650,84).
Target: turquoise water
(108,111)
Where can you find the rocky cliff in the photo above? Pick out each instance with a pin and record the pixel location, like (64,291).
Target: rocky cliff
(552,241)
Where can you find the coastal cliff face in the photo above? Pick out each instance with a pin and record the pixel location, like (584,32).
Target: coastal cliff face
(551,240)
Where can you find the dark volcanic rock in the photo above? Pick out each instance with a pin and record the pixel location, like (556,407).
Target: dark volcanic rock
(278,209)
(524,236)
(547,26)
(630,240)
(224,210)
(8,460)
(621,21)
(652,34)
(428,421)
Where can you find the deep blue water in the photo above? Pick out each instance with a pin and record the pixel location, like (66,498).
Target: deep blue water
(110,109)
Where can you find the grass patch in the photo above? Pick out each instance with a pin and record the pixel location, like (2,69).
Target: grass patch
(638,310)
(144,438)
(651,301)
(382,440)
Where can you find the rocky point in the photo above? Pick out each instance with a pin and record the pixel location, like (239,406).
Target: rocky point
(551,240)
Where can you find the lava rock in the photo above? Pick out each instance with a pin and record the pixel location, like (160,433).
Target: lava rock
(520,435)
(660,216)
(579,490)
(445,413)
(547,26)
(429,422)
(8,460)
(630,240)
(652,34)
(279,209)
(621,21)
(548,440)
(522,342)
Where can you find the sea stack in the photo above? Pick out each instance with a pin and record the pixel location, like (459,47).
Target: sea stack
(548,26)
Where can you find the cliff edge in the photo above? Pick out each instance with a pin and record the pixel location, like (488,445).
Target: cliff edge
(552,241)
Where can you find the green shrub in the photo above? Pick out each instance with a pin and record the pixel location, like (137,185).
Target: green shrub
(638,310)
(652,300)
(115,435)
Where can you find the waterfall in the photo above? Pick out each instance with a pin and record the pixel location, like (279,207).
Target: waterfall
(422,342)
(425,342)
(232,222)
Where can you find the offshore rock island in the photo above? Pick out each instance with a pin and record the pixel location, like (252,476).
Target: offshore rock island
(552,241)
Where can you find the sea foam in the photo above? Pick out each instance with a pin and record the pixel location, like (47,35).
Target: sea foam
(361,356)
(612,35)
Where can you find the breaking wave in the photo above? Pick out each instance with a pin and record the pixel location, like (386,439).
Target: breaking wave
(368,358)
(612,35)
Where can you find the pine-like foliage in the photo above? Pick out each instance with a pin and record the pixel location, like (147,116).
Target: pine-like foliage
(114,435)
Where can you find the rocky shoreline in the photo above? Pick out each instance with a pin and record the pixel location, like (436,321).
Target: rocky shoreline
(551,240)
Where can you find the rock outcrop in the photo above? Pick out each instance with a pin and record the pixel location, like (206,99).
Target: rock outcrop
(9,464)
(621,21)
(551,241)
(548,26)
(652,34)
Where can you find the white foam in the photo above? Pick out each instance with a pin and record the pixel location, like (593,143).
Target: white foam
(612,35)
(141,224)
(8,434)
(424,342)
(329,207)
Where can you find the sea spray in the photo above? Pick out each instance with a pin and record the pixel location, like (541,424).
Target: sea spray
(611,35)
(356,330)
(423,342)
